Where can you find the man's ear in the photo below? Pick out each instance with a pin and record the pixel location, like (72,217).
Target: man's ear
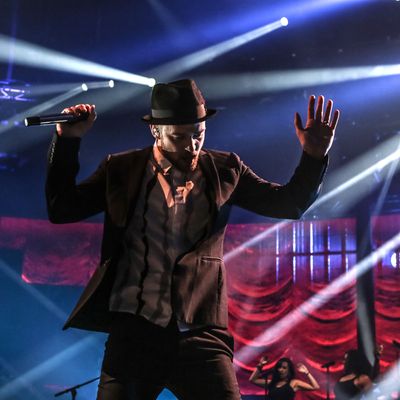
(155,131)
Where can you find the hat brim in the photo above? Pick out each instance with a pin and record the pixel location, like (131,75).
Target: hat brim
(178,121)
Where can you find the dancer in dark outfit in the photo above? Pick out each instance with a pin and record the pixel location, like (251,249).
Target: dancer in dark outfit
(283,384)
(355,380)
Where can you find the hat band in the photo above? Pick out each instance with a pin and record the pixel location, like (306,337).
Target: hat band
(200,113)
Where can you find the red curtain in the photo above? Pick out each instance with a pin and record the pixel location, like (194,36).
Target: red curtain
(53,254)
(272,277)
(387,293)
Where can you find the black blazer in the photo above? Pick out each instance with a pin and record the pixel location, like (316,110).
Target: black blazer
(198,282)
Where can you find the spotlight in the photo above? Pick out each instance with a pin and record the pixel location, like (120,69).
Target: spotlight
(393,258)
(284,21)
(111,83)
(85,87)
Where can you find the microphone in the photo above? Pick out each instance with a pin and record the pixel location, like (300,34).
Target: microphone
(328,364)
(55,119)
(396,344)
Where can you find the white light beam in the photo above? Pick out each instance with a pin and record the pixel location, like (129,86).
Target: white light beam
(32,55)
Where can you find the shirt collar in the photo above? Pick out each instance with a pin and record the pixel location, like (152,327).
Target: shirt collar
(163,163)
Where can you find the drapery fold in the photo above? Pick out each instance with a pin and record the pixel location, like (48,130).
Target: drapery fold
(272,278)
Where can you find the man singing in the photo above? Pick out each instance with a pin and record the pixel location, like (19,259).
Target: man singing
(160,289)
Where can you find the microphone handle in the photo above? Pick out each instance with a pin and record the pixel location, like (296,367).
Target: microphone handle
(54,119)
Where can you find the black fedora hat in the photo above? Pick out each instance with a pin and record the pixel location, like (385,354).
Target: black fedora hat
(177,103)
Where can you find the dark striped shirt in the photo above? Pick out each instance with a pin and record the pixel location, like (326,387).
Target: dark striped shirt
(171,215)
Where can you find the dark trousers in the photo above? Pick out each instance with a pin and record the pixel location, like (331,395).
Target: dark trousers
(141,359)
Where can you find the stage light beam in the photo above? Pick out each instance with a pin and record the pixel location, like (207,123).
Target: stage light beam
(246,84)
(35,293)
(10,389)
(35,56)
(172,69)
(191,61)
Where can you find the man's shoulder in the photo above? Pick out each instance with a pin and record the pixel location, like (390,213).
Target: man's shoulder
(220,157)
(216,153)
(128,155)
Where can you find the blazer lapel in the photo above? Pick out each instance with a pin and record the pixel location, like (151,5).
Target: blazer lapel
(126,175)
(209,169)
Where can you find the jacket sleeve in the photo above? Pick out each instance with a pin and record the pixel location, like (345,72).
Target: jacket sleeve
(280,201)
(66,200)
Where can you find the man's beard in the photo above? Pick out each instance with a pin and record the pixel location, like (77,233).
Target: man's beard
(188,163)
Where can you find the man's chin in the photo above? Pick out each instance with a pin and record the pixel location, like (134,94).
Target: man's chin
(187,164)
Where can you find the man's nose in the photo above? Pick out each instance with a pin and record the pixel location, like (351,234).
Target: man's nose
(193,145)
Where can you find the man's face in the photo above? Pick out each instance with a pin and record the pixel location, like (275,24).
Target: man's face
(181,144)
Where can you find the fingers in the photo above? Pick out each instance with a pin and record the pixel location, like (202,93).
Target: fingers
(335,119)
(86,116)
(320,106)
(318,112)
(328,111)
(298,122)
(80,109)
(311,104)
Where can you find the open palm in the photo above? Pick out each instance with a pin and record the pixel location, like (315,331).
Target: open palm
(317,136)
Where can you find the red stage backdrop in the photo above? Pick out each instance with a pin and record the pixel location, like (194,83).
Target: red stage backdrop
(272,278)
(387,293)
(267,282)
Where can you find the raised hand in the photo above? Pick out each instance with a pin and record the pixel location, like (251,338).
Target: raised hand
(317,136)
(302,368)
(77,129)
(263,360)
